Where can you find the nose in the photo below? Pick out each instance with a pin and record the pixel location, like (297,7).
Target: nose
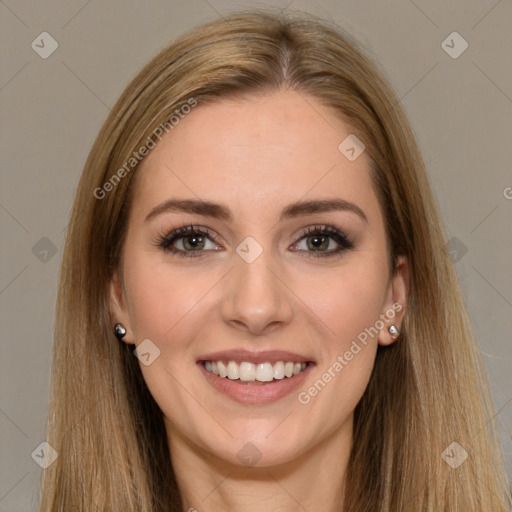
(256,297)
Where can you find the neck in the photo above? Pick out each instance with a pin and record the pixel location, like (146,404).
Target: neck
(314,480)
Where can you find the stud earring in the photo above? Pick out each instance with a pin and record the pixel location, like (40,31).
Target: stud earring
(393,330)
(119,331)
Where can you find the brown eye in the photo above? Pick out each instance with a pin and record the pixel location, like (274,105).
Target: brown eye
(188,242)
(318,242)
(319,239)
(193,242)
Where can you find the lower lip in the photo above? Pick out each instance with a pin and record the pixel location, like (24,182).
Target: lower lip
(247,393)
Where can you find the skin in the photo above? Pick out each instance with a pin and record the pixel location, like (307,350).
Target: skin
(256,155)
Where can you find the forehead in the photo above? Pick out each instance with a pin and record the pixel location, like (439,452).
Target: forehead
(255,154)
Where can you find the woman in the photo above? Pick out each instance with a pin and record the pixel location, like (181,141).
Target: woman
(255,220)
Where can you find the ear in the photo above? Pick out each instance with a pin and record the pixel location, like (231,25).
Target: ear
(396,301)
(118,307)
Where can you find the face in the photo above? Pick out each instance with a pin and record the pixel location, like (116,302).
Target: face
(255,280)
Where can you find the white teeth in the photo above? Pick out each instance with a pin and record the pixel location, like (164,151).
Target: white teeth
(222,369)
(264,372)
(261,372)
(233,370)
(247,371)
(278,370)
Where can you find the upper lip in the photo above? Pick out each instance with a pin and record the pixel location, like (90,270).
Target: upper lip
(264,356)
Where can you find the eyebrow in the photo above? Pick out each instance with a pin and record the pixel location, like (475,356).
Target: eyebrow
(222,212)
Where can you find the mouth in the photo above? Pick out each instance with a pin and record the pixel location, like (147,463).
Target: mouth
(255,377)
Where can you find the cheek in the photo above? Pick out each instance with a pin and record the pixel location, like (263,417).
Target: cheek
(349,304)
(160,297)
(347,301)
(167,306)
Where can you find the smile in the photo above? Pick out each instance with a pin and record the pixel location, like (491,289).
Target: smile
(250,372)
(255,378)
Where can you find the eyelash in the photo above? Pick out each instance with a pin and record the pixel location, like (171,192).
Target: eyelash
(165,241)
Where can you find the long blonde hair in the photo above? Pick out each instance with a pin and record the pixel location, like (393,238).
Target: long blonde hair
(427,390)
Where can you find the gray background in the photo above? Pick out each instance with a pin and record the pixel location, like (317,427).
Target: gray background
(53,108)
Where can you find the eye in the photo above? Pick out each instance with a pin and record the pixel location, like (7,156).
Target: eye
(189,241)
(317,241)
(192,241)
